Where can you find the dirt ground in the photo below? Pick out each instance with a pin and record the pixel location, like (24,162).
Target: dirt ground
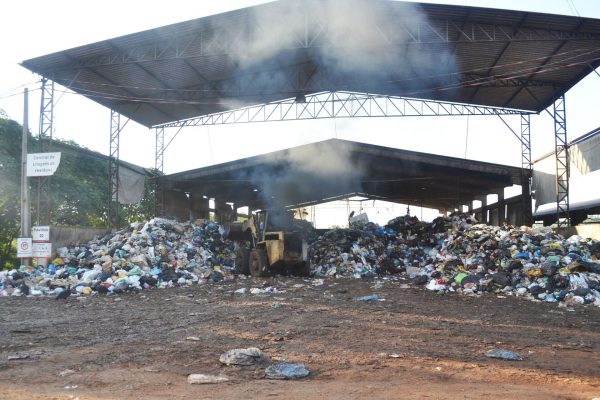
(415,344)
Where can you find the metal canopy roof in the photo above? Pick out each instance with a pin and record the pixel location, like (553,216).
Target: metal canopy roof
(275,51)
(335,168)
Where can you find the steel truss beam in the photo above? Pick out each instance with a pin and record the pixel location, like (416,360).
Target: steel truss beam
(340,105)
(113,170)
(397,31)
(44,192)
(562,163)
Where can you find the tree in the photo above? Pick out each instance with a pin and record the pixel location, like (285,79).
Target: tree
(10,189)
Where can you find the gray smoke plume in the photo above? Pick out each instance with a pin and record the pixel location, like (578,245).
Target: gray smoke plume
(306,173)
(296,47)
(354,45)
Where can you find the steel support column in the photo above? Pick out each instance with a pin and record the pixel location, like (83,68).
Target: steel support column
(160,149)
(562,163)
(526,174)
(159,205)
(113,170)
(44,192)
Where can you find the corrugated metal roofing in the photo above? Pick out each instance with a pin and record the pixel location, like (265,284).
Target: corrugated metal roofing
(270,52)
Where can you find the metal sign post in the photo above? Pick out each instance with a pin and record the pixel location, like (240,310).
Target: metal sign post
(25,212)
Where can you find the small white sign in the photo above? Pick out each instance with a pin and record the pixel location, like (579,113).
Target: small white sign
(24,248)
(42,164)
(42,250)
(40,233)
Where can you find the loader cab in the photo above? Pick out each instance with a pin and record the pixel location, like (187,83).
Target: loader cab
(275,247)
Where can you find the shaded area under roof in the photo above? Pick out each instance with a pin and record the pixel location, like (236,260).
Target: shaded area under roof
(275,51)
(318,172)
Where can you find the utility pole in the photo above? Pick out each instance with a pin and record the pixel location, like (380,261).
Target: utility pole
(25,216)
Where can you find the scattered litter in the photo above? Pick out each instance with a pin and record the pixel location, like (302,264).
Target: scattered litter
(71,387)
(269,289)
(201,379)
(284,370)
(193,338)
(18,357)
(507,355)
(372,297)
(249,356)
(394,355)
(66,372)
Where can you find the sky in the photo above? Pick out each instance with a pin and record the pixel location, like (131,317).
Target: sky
(31,28)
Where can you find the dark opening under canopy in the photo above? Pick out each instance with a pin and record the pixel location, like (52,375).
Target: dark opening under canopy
(335,168)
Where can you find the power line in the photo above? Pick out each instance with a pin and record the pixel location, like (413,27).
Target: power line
(571,4)
(19,87)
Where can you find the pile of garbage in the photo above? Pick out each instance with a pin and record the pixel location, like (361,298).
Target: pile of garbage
(158,253)
(450,254)
(456,254)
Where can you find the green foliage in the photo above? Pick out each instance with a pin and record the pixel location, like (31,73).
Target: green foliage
(10,189)
(79,189)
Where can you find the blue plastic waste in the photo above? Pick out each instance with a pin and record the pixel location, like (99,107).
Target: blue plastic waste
(523,256)
(284,370)
(372,297)
(507,355)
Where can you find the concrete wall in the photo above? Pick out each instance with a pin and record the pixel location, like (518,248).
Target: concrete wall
(176,204)
(61,236)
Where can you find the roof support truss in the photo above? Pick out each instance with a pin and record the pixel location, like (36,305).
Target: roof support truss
(340,105)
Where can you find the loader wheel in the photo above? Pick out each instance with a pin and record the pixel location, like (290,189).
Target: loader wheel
(258,263)
(242,260)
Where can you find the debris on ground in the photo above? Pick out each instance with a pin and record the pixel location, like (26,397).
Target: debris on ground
(372,297)
(246,357)
(202,379)
(18,357)
(507,355)
(284,370)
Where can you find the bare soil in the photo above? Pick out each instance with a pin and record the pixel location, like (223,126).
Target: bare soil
(415,344)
